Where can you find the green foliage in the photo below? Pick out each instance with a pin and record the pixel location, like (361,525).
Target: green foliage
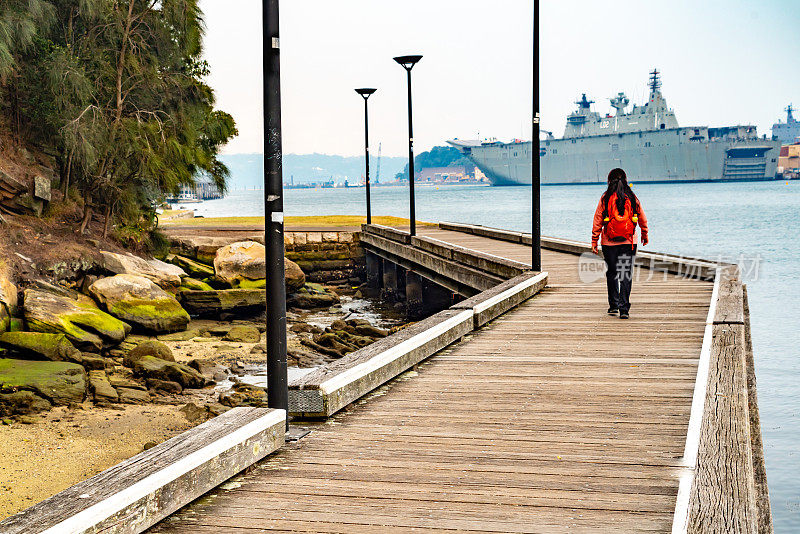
(438,156)
(116,89)
(20,23)
(158,244)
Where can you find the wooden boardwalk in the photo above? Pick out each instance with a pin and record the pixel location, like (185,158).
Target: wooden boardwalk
(553,418)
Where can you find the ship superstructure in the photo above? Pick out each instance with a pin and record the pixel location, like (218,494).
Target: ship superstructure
(647,142)
(787,132)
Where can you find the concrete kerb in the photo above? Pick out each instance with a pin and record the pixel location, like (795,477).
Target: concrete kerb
(329,389)
(141,491)
(491,304)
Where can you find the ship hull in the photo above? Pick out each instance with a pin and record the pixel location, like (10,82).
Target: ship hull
(663,156)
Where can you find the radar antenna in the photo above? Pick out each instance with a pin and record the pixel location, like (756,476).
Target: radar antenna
(655,81)
(620,102)
(583,102)
(789,116)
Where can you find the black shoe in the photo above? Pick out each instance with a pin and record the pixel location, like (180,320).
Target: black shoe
(623,315)
(613,311)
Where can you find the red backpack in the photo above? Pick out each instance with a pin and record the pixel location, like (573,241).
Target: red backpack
(619,227)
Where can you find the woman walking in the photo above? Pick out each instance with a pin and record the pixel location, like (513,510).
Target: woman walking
(616,217)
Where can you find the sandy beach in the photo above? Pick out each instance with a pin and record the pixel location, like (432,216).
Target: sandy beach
(67,445)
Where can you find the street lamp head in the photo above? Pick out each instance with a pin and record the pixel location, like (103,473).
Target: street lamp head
(408,62)
(365,92)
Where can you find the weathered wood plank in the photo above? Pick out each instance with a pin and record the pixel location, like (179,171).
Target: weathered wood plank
(765,525)
(730,300)
(141,491)
(723,495)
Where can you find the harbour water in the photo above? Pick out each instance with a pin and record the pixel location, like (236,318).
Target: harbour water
(756,223)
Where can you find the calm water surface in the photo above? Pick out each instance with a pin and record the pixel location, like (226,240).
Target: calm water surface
(756,222)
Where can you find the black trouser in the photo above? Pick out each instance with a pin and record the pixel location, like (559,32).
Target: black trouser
(619,276)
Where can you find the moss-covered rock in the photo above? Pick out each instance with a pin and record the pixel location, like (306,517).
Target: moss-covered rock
(133,396)
(60,383)
(186,335)
(158,272)
(148,348)
(22,402)
(213,303)
(40,346)
(152,367)
(244,283)
(16,325)
(77,317)
(164,386)
(210,370)
(91,361)
(312,296)
(192,284)
(5,318)
(140,302)
(101,388)
(192,267)
(243,394)
(243,334)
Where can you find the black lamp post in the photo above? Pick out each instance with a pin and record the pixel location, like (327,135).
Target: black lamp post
(408,63)
(536,239)
(365,92)
(277,380)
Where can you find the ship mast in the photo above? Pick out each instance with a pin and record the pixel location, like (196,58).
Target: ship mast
(655,83)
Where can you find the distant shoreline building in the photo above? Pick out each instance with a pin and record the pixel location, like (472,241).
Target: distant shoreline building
(789,161)
(453,174)
(203,189)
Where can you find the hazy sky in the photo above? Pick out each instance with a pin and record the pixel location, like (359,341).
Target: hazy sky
(723,62)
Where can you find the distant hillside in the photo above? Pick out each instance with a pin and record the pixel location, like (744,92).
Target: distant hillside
(247,170)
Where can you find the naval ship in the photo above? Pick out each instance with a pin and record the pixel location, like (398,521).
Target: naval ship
(647,142)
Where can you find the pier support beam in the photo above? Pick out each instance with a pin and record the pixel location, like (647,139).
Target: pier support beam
(374,268)
(389,289)
(415,305)
(436,298)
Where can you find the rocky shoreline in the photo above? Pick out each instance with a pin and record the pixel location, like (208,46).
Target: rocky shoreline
(104,337)
(162,343)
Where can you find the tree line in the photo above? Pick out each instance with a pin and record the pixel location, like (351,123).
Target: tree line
(438,156)
(114,90)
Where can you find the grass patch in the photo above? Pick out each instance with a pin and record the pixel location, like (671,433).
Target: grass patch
(313,220)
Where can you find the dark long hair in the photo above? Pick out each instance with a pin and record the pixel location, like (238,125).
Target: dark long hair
(618,183)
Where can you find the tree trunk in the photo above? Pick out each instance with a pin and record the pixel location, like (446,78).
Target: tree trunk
(108,216)
(121,63)
(66,177)
(87,214)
